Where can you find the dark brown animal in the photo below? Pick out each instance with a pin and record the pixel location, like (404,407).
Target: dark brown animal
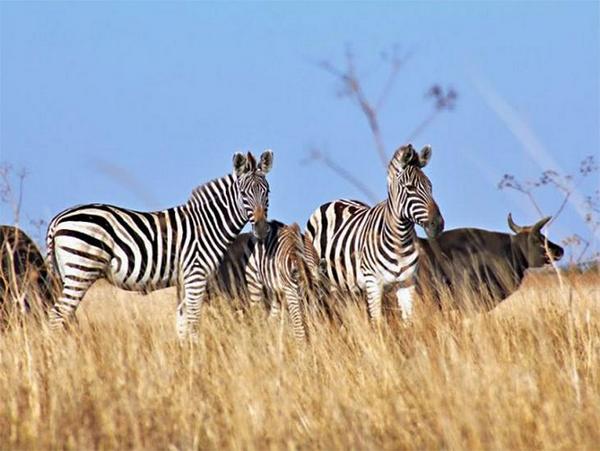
(482,268)
(26,282)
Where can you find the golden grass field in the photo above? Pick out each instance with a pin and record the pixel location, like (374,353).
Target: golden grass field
(526,376)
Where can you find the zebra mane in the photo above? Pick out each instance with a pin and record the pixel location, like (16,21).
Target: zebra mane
(205,193)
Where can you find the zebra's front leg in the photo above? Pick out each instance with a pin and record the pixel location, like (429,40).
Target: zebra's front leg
(181,320)
(374,291)
(405,296)
(188,314)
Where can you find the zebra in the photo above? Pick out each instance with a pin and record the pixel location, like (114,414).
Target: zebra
(282,268)
(147,251)
(367,249)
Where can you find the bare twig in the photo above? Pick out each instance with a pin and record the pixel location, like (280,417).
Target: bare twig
(561,207)
(567,185)
(7,194)
(39,230)
(396,63)
(509,181)
(422,126)
(443,101)
(22,174)
(352,87)
(317,155)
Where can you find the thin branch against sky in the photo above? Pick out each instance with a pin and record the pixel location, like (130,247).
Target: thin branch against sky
(126,180)
(525,135)
(353,88)
(317,155)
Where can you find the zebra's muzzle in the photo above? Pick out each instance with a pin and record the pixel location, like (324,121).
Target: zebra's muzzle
(260,229)
(260,226)
(435,225)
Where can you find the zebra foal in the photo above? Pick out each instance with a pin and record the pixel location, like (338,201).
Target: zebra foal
(279,270)
(146,251)
(368,248)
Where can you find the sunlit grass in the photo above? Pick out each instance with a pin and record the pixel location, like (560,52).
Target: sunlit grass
(526,376)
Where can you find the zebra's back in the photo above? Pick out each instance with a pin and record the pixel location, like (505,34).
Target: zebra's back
(337,231)
(134,250)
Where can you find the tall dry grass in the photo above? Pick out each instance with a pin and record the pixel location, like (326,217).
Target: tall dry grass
(526,376)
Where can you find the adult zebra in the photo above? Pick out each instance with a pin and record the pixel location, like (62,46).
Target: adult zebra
(143,251)
(367,248)
(280,270)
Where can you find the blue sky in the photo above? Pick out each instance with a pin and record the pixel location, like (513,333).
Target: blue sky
(135,103)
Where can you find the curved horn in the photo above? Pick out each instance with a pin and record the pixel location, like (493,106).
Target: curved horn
(541,223)
(511,224)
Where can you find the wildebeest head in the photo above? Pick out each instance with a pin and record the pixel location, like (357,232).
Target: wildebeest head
(410,190)
(254,189)
(537,248)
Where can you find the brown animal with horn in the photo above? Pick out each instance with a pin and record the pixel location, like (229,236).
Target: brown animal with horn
(482,266)
(26,283)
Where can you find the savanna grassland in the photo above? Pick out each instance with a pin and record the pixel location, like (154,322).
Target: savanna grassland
(526,376)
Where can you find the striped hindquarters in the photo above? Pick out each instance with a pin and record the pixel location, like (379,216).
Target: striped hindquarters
(337,231)
(134,250)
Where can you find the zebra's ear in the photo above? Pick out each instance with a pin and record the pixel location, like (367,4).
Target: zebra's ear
(250,163)
(405,155)
(239,164)
(266,161)
(425,156)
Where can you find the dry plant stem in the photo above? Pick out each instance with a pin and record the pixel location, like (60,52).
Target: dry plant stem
(423,125)
(555,268)
(561,207)
(566,185)
(534,203)
(7,193)
(353,86)
(395,66)
(349,177)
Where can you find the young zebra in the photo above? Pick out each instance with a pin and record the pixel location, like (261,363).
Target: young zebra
(368,248)
(279,269)
(143,251)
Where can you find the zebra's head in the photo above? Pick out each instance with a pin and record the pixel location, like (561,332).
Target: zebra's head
(254,189)
(410,190)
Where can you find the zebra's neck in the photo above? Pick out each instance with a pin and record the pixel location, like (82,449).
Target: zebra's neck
(219,203)
(397,233)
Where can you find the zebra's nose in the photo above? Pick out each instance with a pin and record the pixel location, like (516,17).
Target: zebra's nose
(435,225)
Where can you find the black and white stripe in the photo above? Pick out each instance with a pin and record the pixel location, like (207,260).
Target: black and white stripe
(146,251)
(367,248)
(279,270)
